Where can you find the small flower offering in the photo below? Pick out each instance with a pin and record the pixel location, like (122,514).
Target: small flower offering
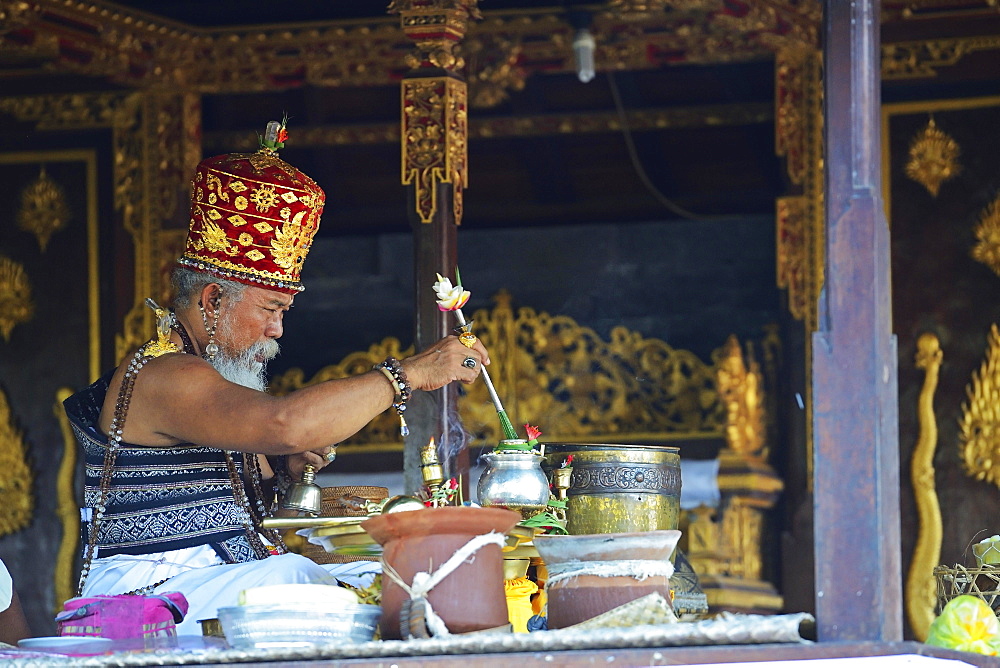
(449,297)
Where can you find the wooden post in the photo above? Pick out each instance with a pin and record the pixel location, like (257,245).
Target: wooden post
(434,154)
(858,575)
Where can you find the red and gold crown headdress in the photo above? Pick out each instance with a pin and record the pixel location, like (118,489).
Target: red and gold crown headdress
(253,216)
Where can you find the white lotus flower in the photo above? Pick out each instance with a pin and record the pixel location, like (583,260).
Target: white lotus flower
(449,297)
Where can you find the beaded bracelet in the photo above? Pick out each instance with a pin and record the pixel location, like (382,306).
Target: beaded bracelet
(393,371)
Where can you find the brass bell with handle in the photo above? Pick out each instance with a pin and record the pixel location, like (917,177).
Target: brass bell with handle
(304,496)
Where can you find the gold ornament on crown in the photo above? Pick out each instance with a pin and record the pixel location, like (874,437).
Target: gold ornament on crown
(43,209)
(987,231)
(15,296)
(16,501)
(933,158)
(979,435)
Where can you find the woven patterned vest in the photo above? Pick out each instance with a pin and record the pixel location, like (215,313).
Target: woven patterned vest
(160,499)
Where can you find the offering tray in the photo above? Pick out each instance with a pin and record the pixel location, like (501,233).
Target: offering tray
(345,537)
(308,522)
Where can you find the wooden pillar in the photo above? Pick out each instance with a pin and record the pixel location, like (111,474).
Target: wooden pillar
(434,154)
(856,463)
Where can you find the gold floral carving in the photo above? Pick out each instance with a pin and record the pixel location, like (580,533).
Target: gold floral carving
(741,391)
(436,27)
(67,509)
(792,252)
(791,115)
(922,59)
(698,116)
(16,306)
(435,129)
(979,435)
(135,50)
(15,14)
(921,587)
(492,71)
(639,6)
(16,500)
(559,374)
(933,158)
(987,231)
(43,209)
(152,134)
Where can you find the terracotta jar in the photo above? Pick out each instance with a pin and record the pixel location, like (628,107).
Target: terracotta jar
(472,597)
(592,574)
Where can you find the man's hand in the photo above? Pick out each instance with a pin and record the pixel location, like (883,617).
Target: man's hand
(318,458)
(444,362)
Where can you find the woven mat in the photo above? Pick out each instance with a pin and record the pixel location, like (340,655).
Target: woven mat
(728,629)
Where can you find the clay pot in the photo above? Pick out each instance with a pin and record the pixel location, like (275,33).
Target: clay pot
(472,597)
(579,598)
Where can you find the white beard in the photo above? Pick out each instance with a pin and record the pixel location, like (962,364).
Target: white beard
(244,369)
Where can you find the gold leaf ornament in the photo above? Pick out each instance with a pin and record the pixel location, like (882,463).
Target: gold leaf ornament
(987,231)
(43,209)
(15,296)
(979,435)
(16,501)
(933,158)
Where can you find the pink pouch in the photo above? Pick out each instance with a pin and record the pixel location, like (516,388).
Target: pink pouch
(124,616)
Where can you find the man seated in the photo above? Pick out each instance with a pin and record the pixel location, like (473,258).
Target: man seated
(179,440)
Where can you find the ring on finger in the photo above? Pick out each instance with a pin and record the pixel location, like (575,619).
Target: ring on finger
(469,362)
(330,456)
(468,339)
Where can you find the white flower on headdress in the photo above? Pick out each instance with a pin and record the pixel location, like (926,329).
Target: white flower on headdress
(450,298)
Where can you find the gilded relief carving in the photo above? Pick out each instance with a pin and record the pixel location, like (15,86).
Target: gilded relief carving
(987,231)
(136,51)
(979,435)
(137,155)
(564,375)
(492,71)
(933,158)
(792,252)
(741,391)
(16,500)
(67,509)
(918,59)
(921,587)
(43,209)
(16,306)
(15,14)
(522,126)
(434,141)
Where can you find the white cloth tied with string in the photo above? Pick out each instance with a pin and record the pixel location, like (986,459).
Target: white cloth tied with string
(423,582)
(640,569)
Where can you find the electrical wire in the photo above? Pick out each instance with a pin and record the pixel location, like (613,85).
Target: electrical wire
(637,164)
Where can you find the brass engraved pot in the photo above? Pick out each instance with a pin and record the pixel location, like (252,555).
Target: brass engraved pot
(620,488)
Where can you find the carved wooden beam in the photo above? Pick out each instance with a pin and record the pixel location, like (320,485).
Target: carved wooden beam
(131,48)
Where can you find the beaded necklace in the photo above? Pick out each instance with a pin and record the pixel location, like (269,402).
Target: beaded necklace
(250,464)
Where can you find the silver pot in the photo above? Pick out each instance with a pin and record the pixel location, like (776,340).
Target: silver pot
(514,480)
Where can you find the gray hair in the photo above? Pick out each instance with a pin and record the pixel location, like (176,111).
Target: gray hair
(187,283)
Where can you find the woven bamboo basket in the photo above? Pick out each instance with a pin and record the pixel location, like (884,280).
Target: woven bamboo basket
(953,581)
(332,507)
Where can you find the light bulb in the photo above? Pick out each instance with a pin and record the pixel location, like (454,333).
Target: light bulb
(583,53)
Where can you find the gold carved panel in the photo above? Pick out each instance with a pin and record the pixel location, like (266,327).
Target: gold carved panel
(16,500)
(551,371)
(435,149)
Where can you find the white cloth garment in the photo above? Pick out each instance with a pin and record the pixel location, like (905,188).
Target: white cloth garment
(6,587)
(208,583)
